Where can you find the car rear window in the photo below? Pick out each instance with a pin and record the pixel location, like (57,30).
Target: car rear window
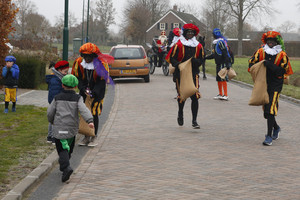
(128,53)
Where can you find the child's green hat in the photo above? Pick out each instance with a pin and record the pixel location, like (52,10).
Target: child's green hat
(69,80)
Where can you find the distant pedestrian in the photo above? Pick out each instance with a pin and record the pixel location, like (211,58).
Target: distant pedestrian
(59,70)
(92,72)
(187,47)
(277,67)
(222,58)
(63,114)
(10,74)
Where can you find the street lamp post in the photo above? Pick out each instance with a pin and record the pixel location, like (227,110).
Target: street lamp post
(82,24)
(66,33)
(87,22)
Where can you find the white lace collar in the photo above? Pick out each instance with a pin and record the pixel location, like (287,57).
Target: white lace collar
(89,66)
(190,43)
(272,51)
(217,40)
(175,40)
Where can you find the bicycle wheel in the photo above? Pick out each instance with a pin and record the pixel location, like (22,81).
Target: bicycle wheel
(165,68)
(152,67)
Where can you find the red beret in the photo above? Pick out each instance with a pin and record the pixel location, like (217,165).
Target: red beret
(61,65)
(192,27)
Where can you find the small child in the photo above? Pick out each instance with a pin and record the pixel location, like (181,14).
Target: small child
(10,75)
(53,80)
(63,114)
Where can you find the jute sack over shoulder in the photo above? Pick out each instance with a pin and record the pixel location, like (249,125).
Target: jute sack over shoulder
(187,87)
(84,128)
(259,94)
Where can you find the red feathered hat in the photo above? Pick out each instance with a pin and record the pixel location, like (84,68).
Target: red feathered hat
(61,65)
(268,35)
(176,31)
(192,27)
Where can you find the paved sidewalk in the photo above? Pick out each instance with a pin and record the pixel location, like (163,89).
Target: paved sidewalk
(144,154)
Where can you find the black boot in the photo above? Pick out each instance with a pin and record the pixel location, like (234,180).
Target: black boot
(180,118)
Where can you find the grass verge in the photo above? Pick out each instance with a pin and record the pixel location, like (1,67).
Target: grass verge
(241,68)
(23,144)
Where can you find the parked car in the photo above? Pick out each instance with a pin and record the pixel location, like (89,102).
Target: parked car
(130,61)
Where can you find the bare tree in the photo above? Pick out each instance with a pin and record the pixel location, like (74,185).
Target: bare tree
(287,26)
(241,9)
(25,7)
(216,14)
(140,14)
(37,26)
(106,12)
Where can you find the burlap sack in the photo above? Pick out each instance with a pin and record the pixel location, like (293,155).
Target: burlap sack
(187,87)
(259,94)
(223,72)
(84,128)
(231,73)
(171,69)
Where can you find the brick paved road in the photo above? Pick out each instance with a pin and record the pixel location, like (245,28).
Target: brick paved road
(145,155)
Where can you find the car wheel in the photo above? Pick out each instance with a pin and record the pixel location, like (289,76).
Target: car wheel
(147,78)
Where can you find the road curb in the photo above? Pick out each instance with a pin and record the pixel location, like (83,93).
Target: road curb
(33,178)
(37,175)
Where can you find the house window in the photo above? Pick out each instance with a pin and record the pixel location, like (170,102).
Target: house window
(162,26)
(176,25)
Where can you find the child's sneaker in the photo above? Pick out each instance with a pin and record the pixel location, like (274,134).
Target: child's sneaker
(93,142)
(268,141)
(13,109)
(276,133)
(49,139)
(224,98)
(66,174)
(218,97)
(6,110)
(84,141)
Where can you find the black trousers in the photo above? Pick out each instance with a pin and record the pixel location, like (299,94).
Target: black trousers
(64,154)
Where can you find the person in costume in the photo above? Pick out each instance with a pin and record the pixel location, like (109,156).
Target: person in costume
(277,67)
(161,43)
(92,72)
(222,58)
(59,70)
(187,47)
(63,114)
(10,74)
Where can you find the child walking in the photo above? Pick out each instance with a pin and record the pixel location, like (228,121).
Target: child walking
(63,115)
(10,75)
(53,80)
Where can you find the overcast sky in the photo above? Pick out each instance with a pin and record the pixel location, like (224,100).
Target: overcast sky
(51,8)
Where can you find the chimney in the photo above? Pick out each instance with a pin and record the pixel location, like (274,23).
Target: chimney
(175,7)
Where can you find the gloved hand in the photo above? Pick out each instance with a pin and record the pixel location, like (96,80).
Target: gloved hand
(196,61)
(228,66)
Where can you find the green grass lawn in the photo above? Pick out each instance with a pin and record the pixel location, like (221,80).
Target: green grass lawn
(23,143)
(241,67)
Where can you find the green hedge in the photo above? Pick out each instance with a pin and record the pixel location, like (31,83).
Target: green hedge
(32,71)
